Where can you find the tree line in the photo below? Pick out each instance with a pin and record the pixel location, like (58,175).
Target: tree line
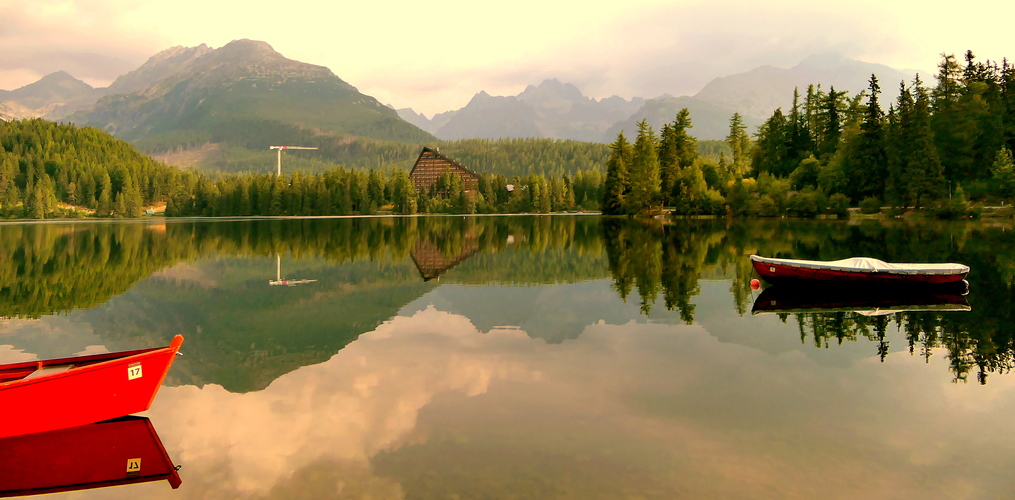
(342,191)
(934,148)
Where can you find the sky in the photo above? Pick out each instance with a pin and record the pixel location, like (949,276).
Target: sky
(434,56)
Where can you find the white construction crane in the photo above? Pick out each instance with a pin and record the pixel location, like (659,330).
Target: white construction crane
(280,149)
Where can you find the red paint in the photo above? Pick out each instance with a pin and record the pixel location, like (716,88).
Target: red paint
(83,457)
(96,388)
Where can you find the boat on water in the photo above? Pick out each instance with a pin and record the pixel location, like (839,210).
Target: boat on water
(858,271)
(40,396)
(781,299)
(111,453)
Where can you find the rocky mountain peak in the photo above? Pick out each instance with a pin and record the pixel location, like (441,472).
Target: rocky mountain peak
(246,49)
(157,68)
(552,90)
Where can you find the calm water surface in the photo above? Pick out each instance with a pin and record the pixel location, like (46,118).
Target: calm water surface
(534,357)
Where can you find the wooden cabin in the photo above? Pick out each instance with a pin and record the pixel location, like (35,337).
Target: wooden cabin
(431,165)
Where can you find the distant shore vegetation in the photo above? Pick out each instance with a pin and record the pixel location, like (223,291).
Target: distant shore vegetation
(937,149)
(945,150)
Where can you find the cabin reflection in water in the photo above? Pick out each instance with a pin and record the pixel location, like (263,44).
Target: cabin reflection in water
(115,452)
(432,262)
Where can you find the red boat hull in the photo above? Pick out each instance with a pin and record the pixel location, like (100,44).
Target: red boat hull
(97,455)
(778,273)
(96,388)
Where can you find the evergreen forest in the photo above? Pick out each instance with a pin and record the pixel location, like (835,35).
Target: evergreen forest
(946,149)
(936,148)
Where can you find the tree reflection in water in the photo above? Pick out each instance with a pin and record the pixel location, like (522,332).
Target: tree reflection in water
(371,267)
(652,257)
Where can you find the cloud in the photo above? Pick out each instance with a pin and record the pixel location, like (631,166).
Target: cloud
(88,39)
(621,410)
(364,400)
(433,56)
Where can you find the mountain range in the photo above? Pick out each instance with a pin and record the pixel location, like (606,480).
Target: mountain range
(552,110)
(560,111)
(246,95)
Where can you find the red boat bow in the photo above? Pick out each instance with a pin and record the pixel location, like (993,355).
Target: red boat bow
(41,396)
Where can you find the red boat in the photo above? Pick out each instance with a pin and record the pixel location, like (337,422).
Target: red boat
(41,396)
(858,271)
(115,452)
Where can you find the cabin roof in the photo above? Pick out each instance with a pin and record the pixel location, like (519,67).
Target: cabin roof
(443,157)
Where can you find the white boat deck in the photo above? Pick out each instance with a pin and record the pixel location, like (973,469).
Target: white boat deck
(868,265)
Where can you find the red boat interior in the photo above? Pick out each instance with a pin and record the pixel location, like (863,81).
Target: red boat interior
(33,369)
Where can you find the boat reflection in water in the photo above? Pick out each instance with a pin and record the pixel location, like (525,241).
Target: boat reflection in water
(869,302)
(120,451)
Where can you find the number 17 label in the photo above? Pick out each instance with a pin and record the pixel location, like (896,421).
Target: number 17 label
(133,467)
(134,371)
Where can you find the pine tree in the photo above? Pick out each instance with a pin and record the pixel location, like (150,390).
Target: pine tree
(770,147)
(799,144)
(924,179)
(11,199)
(669,163)
(104,205)
(644,171)
(740,143)
(947,118)
(832,123)
(869,157)
(617,183)
(132,202)
(1003,173)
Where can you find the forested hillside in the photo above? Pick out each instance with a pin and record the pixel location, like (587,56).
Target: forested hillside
(45,164)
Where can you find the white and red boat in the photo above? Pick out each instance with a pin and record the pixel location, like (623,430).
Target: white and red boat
(858,271)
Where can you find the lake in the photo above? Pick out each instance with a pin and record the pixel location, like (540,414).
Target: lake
(519,357)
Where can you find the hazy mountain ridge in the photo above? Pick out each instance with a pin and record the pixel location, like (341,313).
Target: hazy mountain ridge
(552,110)
(559,110)
(708,121)
(758,92)
(200,91)
(6,114)
(53,96)
(189,91)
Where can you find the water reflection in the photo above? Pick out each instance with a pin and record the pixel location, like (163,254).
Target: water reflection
(571,357)
(429,406)
(111,453)
(865,301)
(136,285)
(671,260)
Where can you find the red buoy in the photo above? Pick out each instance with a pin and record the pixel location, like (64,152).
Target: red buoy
(755,284)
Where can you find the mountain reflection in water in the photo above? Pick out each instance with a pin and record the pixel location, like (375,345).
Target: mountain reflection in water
(559,356)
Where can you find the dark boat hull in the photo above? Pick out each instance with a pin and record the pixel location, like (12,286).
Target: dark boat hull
(110,453)
(58,394)
(818,299)
(776,273)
